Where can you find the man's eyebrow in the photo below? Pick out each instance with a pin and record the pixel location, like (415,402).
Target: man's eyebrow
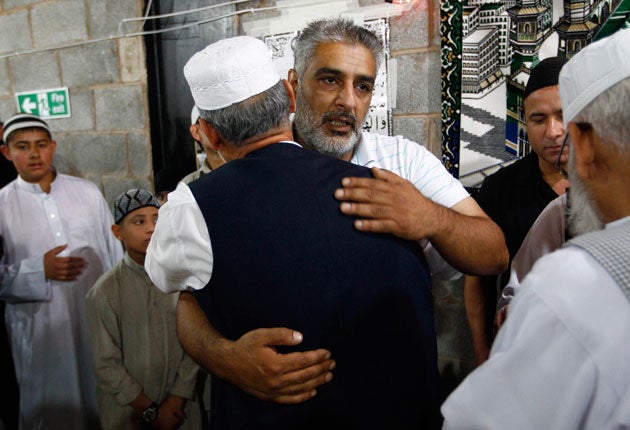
(337,72)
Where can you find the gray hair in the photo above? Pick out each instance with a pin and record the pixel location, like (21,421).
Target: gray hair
(333,30)
(251,117)
(609,115)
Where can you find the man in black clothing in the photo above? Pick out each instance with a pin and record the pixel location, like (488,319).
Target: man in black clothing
(515,195)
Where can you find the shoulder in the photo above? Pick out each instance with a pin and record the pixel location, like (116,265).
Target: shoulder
(191,176)
(404,157)
(523,167)
(78,184)
(389,145)
(577,288)
(6,192)
(106,285)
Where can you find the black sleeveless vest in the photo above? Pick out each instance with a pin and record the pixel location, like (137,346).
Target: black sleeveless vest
(285,256)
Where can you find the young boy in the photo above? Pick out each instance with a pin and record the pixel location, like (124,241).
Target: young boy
(56,242)
(144,377)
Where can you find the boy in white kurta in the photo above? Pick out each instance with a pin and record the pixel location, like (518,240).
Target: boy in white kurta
(144,377)
(55,242)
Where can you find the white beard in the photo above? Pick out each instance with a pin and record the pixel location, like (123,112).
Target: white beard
(583,214)
(309,127)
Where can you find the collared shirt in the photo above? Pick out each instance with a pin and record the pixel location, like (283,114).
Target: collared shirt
(46,319)
(204,169)
(561,359)
(135,347)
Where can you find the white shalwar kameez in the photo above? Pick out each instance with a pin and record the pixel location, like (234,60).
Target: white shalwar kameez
(561,360)
(46,319)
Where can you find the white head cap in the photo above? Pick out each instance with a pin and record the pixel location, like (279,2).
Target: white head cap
(194,115)
(593,70)
(230,71)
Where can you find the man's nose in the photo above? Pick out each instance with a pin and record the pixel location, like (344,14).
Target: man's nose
(555,128)
(34,151)
(346,99)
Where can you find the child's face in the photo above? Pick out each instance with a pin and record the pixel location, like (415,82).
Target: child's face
(31,153)
(135,231)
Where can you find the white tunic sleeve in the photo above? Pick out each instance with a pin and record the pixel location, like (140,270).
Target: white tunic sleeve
(179,256)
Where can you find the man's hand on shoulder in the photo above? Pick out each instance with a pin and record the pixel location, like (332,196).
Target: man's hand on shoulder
(387,203)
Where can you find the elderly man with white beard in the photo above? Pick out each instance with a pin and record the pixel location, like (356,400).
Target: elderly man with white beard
(561,359)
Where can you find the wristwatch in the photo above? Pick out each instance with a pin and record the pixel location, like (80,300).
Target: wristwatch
(150,413)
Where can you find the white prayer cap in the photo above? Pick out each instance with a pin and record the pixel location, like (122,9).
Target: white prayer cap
(230,71)
(194,115)
(593,70)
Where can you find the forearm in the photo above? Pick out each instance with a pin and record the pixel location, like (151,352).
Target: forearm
(200,340)
(476,311)
(473,244)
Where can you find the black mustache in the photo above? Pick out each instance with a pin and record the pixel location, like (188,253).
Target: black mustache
(347,116)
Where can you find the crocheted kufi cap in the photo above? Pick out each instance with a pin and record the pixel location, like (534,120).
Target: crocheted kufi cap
(593,70)
(131,200)
(230,71)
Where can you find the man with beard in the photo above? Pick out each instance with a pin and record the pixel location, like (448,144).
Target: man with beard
(335,68)
(515,195)
(262,244)
(561,359)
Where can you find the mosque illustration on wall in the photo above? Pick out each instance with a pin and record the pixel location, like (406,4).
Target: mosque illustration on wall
(497,43)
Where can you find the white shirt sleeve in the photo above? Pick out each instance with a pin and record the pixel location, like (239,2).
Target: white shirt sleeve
(179,256)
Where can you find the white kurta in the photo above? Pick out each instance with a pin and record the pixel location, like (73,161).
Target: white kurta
(46,319)
(561,361)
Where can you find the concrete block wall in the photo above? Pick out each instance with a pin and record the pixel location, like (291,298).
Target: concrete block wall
(107,138)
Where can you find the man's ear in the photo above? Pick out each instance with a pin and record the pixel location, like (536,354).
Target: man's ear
(291,94)
(582,144)
(214,138)
(117,230)
(293,80)
(194,132)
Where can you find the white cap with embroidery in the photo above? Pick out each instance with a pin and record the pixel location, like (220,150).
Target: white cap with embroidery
(593,70)
(230,71)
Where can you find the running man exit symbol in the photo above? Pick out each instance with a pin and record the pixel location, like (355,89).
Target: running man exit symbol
(50,103)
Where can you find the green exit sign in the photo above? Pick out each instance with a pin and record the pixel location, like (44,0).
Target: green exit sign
(51,103)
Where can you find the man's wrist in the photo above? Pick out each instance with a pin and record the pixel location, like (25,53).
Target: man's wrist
(150,414)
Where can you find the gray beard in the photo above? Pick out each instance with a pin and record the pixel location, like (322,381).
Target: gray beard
(583,214)
(309,128)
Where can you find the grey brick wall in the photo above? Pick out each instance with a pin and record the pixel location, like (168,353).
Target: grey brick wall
(107,138)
